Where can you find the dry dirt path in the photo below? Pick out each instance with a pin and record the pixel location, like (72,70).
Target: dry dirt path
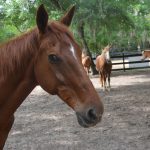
(44,122)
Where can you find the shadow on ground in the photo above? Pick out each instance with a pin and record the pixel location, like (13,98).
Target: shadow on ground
(44,122)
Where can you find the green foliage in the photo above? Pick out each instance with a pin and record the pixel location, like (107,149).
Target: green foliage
(118,22)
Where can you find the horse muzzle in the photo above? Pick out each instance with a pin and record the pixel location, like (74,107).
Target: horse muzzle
(88,119)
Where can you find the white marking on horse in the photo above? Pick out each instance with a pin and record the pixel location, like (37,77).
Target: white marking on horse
(60,76)
(73,51)
(107,55)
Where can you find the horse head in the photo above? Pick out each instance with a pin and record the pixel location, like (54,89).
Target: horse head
(145,54)
(58,68)
(106,52)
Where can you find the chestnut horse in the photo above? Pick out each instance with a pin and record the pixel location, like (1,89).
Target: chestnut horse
(47,56)
(145,54)
(86,61)
(104,67)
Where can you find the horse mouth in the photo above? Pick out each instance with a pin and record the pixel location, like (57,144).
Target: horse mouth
(86,123)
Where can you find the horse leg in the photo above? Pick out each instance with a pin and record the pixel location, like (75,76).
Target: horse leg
(87,71)
(101,78)
(104,82)
(4,131)
(109,81)
(85,68)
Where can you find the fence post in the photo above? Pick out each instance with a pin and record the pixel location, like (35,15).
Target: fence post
(124,68)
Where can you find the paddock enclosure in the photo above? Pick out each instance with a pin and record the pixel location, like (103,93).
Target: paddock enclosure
(44,122)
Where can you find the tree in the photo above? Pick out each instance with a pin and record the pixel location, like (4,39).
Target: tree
(105,21)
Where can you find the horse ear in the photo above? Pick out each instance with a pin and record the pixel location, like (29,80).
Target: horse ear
(67,18)
(42,18)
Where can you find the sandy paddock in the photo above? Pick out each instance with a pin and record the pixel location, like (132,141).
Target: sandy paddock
(44,122)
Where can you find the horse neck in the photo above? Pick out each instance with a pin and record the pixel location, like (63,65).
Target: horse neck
(17,54)
(19,80)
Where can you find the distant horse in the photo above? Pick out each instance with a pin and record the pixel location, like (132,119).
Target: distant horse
(86,61)
(104,67)
(145,54)
(47,56)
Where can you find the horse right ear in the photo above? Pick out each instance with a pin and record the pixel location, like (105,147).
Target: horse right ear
(67,18)
(41,18)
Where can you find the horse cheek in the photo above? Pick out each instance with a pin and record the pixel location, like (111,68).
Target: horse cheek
(45,77)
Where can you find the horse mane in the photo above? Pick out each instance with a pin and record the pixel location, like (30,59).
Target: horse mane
(18,52)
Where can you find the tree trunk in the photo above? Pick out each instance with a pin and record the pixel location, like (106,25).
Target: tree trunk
(87,51)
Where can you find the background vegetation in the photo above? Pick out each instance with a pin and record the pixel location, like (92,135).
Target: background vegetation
(123,23)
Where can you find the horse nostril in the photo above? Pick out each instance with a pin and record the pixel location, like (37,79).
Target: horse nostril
(91,114)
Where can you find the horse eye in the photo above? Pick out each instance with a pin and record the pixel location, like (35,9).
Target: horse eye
(53,59)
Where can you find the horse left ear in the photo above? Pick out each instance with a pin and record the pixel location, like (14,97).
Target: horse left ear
(67,18)
(42,18)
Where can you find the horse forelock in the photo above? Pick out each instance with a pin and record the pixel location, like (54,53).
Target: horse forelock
(16,53)
(59,30)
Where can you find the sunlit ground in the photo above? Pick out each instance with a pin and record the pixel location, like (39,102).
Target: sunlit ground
(44,122)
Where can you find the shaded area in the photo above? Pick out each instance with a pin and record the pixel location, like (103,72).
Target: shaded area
(44,122)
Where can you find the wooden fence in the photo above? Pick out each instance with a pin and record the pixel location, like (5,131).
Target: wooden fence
(128,61)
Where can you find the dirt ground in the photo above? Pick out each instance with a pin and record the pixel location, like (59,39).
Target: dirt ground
(44,122)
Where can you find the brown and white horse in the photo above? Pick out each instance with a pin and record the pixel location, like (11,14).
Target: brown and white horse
(86,61)
(47,56)
(104,67)
(145,54)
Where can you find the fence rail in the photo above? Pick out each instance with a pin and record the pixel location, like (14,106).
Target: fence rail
(126,61)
